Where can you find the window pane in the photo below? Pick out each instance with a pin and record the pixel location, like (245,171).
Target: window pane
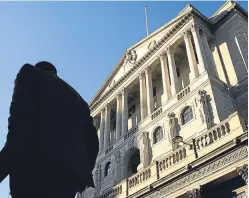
(187,115)
(158,135)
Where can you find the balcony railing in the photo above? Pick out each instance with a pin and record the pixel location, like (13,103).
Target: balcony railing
(139,178)
(111,193)
(172,159)
(156,113)
(183,93)
(131,132)
(108,149)
(213,135)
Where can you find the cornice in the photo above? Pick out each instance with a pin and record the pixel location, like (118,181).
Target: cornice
(144,58)
(235,9)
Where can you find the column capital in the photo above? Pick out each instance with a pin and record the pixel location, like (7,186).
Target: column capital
(195,28)
(107,105)
(102,110)
(161,55)
(123,91)
(147,70)
(243,172)
(170,50)
(140,74)
(195,193)
(185,34)
(118,94)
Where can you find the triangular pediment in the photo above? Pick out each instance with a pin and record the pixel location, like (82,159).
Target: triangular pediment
(135,52)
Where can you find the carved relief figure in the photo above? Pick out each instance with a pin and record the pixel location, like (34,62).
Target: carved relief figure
(204,100)
(128,57)
(98,176)
(144,149)
(117,159)
(131,56)
(174,128)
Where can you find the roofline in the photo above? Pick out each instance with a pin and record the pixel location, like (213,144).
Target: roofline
(100,91)
(116,68)
(228,1)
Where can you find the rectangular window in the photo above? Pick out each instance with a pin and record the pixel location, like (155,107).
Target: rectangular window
(196,58)
(178,72)
(154,91)
(132,110)
(114,125)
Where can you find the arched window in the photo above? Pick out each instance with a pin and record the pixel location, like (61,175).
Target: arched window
(187,115)
(158,135)
(108,168)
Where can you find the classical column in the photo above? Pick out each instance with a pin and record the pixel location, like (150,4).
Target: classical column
(107,126)
(195,193)
(118,117)
(172,71)
(191,56)
(142,95)
(209,55)
(165,76)
(199,47)
(149,90)
(102,130)
(124,111)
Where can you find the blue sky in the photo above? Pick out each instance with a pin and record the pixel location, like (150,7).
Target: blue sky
(84,40)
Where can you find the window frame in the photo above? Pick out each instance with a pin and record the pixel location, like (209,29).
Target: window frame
(107,169)
(155,140)
(183,120)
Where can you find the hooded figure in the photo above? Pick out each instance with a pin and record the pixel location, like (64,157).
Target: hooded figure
(52,144)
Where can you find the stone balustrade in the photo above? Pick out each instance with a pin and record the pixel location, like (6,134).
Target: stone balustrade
(131,132)
(156,113)
(108,149)
(139,178)
(172,159)
(226,131)
(213,135)
(112,193)
(183,93)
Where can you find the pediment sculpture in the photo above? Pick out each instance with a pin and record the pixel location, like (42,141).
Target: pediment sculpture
(131,56)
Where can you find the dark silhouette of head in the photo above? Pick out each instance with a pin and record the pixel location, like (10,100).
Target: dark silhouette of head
(46,66)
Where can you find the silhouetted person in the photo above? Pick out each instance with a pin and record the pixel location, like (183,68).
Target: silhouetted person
(52,144)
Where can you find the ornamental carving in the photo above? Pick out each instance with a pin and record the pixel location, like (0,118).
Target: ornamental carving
(151,45)
(195,193)
(131,56)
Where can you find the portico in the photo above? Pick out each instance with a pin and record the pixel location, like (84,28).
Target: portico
(177,65)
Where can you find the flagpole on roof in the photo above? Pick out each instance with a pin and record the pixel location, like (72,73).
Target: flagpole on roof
(146,20)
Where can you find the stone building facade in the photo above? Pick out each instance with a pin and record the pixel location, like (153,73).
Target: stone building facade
(187,79)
